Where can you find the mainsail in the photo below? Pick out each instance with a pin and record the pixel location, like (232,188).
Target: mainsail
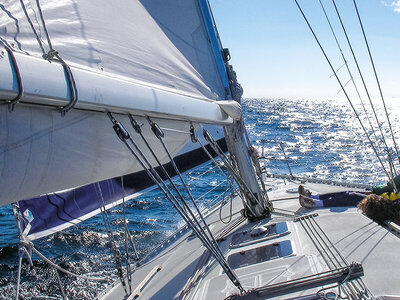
(148,58)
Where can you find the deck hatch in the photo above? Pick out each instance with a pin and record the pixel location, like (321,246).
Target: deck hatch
(259,234)
(260,254)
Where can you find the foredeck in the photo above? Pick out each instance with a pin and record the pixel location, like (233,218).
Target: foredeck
(293,249)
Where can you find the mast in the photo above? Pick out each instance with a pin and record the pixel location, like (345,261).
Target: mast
(239,147)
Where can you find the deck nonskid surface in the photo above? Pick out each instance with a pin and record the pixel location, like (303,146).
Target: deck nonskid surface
(356,237)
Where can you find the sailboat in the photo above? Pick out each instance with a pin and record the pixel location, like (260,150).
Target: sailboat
(101,101)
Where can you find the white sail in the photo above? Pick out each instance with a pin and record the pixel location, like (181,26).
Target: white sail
(162,43)
(148,58)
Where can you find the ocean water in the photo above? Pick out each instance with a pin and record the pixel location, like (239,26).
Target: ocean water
(321,138)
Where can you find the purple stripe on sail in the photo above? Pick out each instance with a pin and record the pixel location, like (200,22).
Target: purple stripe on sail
(70,207)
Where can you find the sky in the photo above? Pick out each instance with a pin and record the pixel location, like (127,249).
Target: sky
(275,54)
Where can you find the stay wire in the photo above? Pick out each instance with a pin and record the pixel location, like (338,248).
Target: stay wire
(216,163)
(108,228)
(344,91)
(231,167)
(167,193)
(187,190)
(128,239)
(365,86)
(377,80)
(351,75)
(211,239)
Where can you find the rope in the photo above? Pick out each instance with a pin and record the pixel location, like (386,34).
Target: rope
(154,128)
(18,277)
(65,271)
(14,64)
(377,80)
(39,40)
(52,55)
(127,237)
(344,91)
(331,255)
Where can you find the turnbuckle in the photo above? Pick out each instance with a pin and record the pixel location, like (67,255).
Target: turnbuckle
(156,129)
(135,125)
(192,133)
(119,128)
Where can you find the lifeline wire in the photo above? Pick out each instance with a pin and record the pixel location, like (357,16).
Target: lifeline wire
(344,91)
(364,84)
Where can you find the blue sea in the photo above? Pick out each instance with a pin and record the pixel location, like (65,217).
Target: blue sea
(321,138)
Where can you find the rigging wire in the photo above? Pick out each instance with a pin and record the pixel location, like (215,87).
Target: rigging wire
(128,239)
(183,209)
(344,91)
(156,131)
(229,164)
(351,75)
(363,81)
(377,80)
(108,228)
(227,178)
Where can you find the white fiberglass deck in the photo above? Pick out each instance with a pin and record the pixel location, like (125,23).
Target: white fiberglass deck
(184,270)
